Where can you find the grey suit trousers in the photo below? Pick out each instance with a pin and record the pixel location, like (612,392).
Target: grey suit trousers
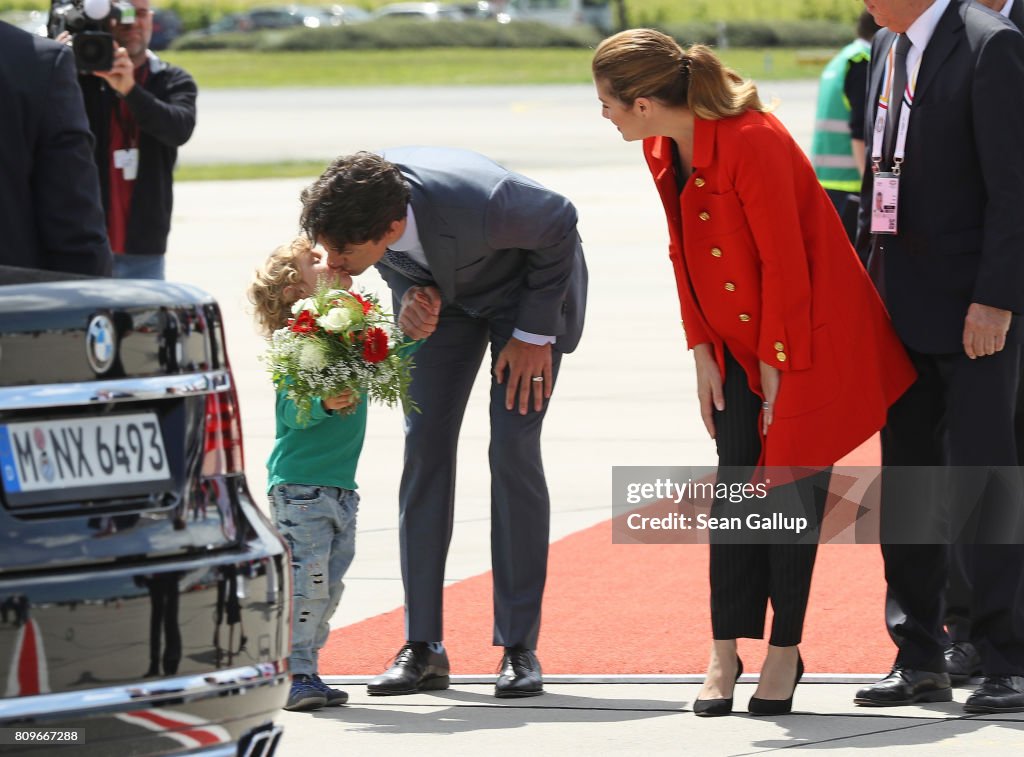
(445,369)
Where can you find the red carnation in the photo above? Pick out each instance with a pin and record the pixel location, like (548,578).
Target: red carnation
(375,345)
(367,305)
(305,323)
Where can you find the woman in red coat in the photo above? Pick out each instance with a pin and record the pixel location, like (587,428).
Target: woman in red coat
(796,360)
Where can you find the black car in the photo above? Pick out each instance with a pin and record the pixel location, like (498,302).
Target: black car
(144,598)
(167,27)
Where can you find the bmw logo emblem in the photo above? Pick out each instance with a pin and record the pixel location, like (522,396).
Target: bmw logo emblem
(101,343)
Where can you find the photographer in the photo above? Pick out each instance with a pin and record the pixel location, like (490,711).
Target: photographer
(50,214)
(140,111)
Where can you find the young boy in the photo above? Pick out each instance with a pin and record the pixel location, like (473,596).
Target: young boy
(311,477)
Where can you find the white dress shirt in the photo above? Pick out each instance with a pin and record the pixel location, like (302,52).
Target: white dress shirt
(410,244)
(920,33)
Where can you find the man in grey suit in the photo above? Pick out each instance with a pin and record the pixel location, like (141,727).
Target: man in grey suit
(476,256)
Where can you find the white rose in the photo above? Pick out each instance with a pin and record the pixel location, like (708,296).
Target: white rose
(311,356)
(336,320)
(304,304)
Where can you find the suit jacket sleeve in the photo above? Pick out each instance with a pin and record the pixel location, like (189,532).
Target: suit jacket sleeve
(998,119)
(522,215)
(70,222)
(169,119)
(765,182)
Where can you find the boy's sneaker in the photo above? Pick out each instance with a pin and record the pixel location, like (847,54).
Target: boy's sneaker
(335,697)
(305,694)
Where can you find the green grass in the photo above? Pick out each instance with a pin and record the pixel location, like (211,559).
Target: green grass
(239,171)
(440,66)
(650,12)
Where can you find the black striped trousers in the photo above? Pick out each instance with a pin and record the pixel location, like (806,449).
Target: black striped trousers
(745,576)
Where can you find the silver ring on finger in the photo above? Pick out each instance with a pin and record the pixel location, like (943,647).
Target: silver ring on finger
(537,379)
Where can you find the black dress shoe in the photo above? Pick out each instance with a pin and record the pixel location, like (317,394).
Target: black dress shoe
(415,668)
(520,674)
(711,708)
(997,694)
(906,686)
(760,706)
(962,662)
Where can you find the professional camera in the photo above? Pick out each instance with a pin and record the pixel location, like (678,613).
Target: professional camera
(90,22)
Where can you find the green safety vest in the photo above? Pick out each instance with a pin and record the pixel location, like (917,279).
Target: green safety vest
(831,153)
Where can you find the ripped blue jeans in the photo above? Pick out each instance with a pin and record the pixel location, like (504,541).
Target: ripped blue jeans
(319,524)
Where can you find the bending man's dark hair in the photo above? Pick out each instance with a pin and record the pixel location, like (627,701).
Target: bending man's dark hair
(354,201)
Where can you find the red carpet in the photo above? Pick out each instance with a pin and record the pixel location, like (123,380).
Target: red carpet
(641,608)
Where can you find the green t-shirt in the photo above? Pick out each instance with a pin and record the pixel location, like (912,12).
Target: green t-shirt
(322,452)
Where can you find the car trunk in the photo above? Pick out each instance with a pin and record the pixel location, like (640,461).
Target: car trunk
(119,420)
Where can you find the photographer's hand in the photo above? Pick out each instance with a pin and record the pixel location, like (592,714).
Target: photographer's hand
(121,77)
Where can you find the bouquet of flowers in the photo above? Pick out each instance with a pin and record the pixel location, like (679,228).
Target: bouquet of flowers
(337,341)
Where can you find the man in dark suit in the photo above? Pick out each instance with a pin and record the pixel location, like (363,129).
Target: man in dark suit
(50,213)
(477,257)
(952,276)
(962,659)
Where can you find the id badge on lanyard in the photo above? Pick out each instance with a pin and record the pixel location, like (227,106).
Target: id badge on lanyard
(885,189)
(885,195)
(128,161)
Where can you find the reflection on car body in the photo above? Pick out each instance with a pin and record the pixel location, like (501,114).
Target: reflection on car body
(144,598)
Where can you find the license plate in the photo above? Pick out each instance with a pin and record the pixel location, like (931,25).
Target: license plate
(98,456)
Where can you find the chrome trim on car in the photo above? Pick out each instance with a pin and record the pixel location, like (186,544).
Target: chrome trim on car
(221,750)
(113,390)
(77,703)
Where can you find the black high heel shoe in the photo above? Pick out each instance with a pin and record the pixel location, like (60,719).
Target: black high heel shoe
(760,706)
(708,708)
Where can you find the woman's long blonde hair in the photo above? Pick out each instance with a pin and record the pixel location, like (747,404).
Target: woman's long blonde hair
(646,63)
(268,291)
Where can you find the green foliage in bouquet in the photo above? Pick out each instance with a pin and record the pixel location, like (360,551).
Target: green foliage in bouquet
(340,341)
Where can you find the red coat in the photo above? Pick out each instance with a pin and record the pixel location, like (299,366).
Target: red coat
(764,266)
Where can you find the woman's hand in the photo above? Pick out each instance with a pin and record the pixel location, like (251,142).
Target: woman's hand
(770,379)
(709,385)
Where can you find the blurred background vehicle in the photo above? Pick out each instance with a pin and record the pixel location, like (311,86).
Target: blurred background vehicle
(348,14)
(596,13)
(167,27)
(487,10)
(288,17)
(31,21)
(420,12)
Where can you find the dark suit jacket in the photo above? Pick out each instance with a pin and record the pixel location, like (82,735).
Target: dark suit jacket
(1017,14)
(50,213)
(497,243)
(961,232)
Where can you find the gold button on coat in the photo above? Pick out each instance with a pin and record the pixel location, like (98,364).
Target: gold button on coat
(779,346)
(780,356)
(699,182)
(704,216)
(730,287)
(716,252)
(744,317)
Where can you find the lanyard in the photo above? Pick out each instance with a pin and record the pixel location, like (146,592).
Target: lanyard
(882,114)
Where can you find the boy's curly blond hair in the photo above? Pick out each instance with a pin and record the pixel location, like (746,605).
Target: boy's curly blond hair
(267,292)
